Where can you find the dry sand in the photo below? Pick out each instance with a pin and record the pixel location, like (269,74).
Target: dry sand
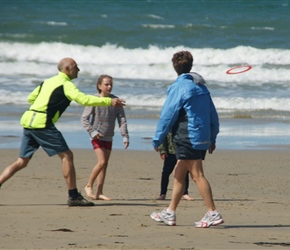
(251,190)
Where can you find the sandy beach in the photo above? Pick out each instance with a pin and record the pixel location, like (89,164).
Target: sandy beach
(251,190)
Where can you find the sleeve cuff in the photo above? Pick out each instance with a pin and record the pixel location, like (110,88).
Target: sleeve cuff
(94,133)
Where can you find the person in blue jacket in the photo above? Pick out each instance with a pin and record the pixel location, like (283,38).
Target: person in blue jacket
(191,115)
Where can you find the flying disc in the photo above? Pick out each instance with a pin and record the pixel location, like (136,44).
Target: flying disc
(243,69)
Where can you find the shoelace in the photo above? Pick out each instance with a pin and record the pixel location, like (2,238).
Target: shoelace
(205,217)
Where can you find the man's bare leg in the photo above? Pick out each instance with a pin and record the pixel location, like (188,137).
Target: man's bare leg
(68,169)
(196,172)
(180,171)
(10,170)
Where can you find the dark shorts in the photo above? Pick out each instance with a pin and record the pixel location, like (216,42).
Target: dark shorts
(188,153)
(102,144)
(50,139)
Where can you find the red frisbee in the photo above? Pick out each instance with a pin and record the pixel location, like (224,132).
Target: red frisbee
(244,69)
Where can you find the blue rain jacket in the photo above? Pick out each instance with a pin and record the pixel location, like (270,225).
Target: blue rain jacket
(190,113)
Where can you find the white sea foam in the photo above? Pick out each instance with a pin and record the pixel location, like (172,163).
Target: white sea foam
(53,23)
(151,102)
(142,75)
(155,16)
(240,103)
(263,28)
(150,63)
(158,26)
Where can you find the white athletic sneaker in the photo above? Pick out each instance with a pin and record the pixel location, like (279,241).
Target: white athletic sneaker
(209,220)
(155,216)
(164,216)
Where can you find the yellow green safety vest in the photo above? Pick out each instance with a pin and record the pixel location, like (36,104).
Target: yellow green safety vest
(51,98)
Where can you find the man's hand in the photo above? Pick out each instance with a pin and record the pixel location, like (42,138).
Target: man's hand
(211,148)
(116,102)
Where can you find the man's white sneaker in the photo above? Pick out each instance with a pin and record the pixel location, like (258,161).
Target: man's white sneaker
(210,219)
(155,216)
(164,216)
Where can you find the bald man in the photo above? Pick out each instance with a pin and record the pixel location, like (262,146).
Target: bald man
(48,101)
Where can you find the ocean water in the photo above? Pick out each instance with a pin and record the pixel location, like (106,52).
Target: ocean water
(133,41)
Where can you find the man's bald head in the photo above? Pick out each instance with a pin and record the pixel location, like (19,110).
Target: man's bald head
(65,62)
(69,67)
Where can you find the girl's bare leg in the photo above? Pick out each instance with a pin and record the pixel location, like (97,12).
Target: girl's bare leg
(101,178)
(100,152)
(100,183)
(187,197)
(89,192)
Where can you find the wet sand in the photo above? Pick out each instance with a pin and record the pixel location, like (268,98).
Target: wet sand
(251,190)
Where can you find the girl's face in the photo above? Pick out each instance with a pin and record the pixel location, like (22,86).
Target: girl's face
(106,86)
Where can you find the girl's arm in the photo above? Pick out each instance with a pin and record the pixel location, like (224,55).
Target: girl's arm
(122,121)
(87,120)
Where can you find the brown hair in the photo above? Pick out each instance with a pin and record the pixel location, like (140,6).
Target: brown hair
(100,79)
(182,62)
